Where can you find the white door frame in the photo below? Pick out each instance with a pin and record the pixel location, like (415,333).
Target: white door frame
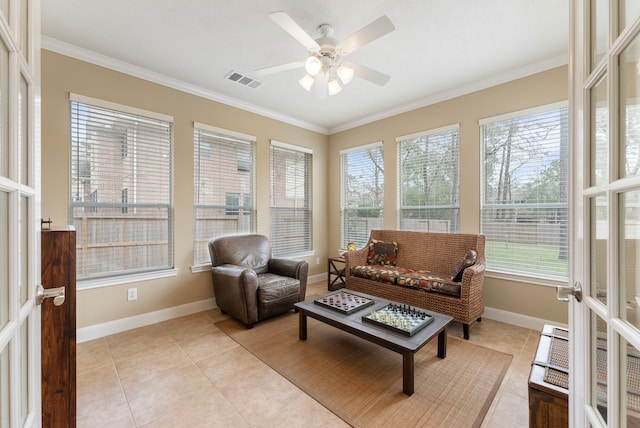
(20,393)
(609,310)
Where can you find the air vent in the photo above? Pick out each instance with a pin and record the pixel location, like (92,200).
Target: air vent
(243,80)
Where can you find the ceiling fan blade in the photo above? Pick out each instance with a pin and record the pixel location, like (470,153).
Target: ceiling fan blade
(278,68)
(291,27)
(369,74)
(369,33)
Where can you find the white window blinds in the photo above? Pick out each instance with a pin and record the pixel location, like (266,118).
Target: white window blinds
(224,183)
(291,213)
(429,178)
(121,172)
(362,193)
(524,192)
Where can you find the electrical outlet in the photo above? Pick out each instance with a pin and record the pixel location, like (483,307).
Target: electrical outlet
(132,294)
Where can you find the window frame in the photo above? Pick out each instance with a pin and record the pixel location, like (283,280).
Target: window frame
(510,273)
(307,210)
(237,142)
(108,279)
(453,225)
(362,236)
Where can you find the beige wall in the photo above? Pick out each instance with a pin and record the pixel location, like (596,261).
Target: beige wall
(62,75)
(540,89)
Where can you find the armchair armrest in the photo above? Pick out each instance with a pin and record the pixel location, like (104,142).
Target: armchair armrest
(298,269)
(236,290)
(286,267)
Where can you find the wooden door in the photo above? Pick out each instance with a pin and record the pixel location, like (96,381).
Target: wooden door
(19,213)
(58,269)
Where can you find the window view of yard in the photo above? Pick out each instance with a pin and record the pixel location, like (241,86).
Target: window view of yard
(527,258)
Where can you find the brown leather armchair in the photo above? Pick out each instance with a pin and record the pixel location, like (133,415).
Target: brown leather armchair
(249,284)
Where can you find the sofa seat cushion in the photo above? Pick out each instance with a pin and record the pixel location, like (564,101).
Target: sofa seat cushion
(430,281)
(272,287)
(380,273)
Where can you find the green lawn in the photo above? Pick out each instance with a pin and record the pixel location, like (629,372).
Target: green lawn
(526,258)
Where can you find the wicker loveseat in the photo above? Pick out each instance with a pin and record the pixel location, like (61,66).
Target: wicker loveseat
(420,272)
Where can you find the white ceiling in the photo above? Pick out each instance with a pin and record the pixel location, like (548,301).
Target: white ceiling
(439,49)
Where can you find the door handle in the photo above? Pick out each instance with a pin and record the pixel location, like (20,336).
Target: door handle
(564,291)
(43,293)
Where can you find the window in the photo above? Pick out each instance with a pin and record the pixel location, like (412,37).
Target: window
(233,204)
(362,193)
(524,192)
(121,204)
(220,186)
(429,178)
(291,214)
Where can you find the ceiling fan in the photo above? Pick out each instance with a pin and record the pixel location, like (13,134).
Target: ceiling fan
(323,64)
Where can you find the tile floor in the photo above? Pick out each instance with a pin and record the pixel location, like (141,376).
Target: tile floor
(186,373)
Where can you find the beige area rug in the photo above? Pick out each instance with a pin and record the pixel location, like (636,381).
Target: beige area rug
(362,382)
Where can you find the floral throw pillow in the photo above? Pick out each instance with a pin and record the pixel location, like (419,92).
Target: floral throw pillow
(468,260)
(382,253)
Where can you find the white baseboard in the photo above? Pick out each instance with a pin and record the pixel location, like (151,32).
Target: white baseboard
(518,319)
(96,331)
(317,278)
(117,326)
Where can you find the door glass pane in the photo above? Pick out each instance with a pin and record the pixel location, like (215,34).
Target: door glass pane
(599,383)
(630,257)
(4,388)
(4,259)
(629,12)
(599,242)
(24,249)
(23,130)
(4,7)
(630,383)
(24,371)
(630,109)
(4,110)
(24,29)
(599,134)
(599,35)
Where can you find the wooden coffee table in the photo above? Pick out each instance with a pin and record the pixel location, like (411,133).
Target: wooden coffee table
(393,340)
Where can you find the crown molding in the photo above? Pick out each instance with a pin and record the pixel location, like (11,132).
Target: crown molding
(479,85)
(86,55)
(92,57)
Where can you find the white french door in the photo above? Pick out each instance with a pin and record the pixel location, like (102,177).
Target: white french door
(19,213)
(605,116)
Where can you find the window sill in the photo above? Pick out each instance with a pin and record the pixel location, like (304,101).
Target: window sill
(201,268)
(88,284)
(547,281)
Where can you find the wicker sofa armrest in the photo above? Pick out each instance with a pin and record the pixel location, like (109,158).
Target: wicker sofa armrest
(355,258)
(472,288)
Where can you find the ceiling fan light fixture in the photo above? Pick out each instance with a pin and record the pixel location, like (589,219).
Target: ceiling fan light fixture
(307,82)
(345,73)
(313,65)
(334,86)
